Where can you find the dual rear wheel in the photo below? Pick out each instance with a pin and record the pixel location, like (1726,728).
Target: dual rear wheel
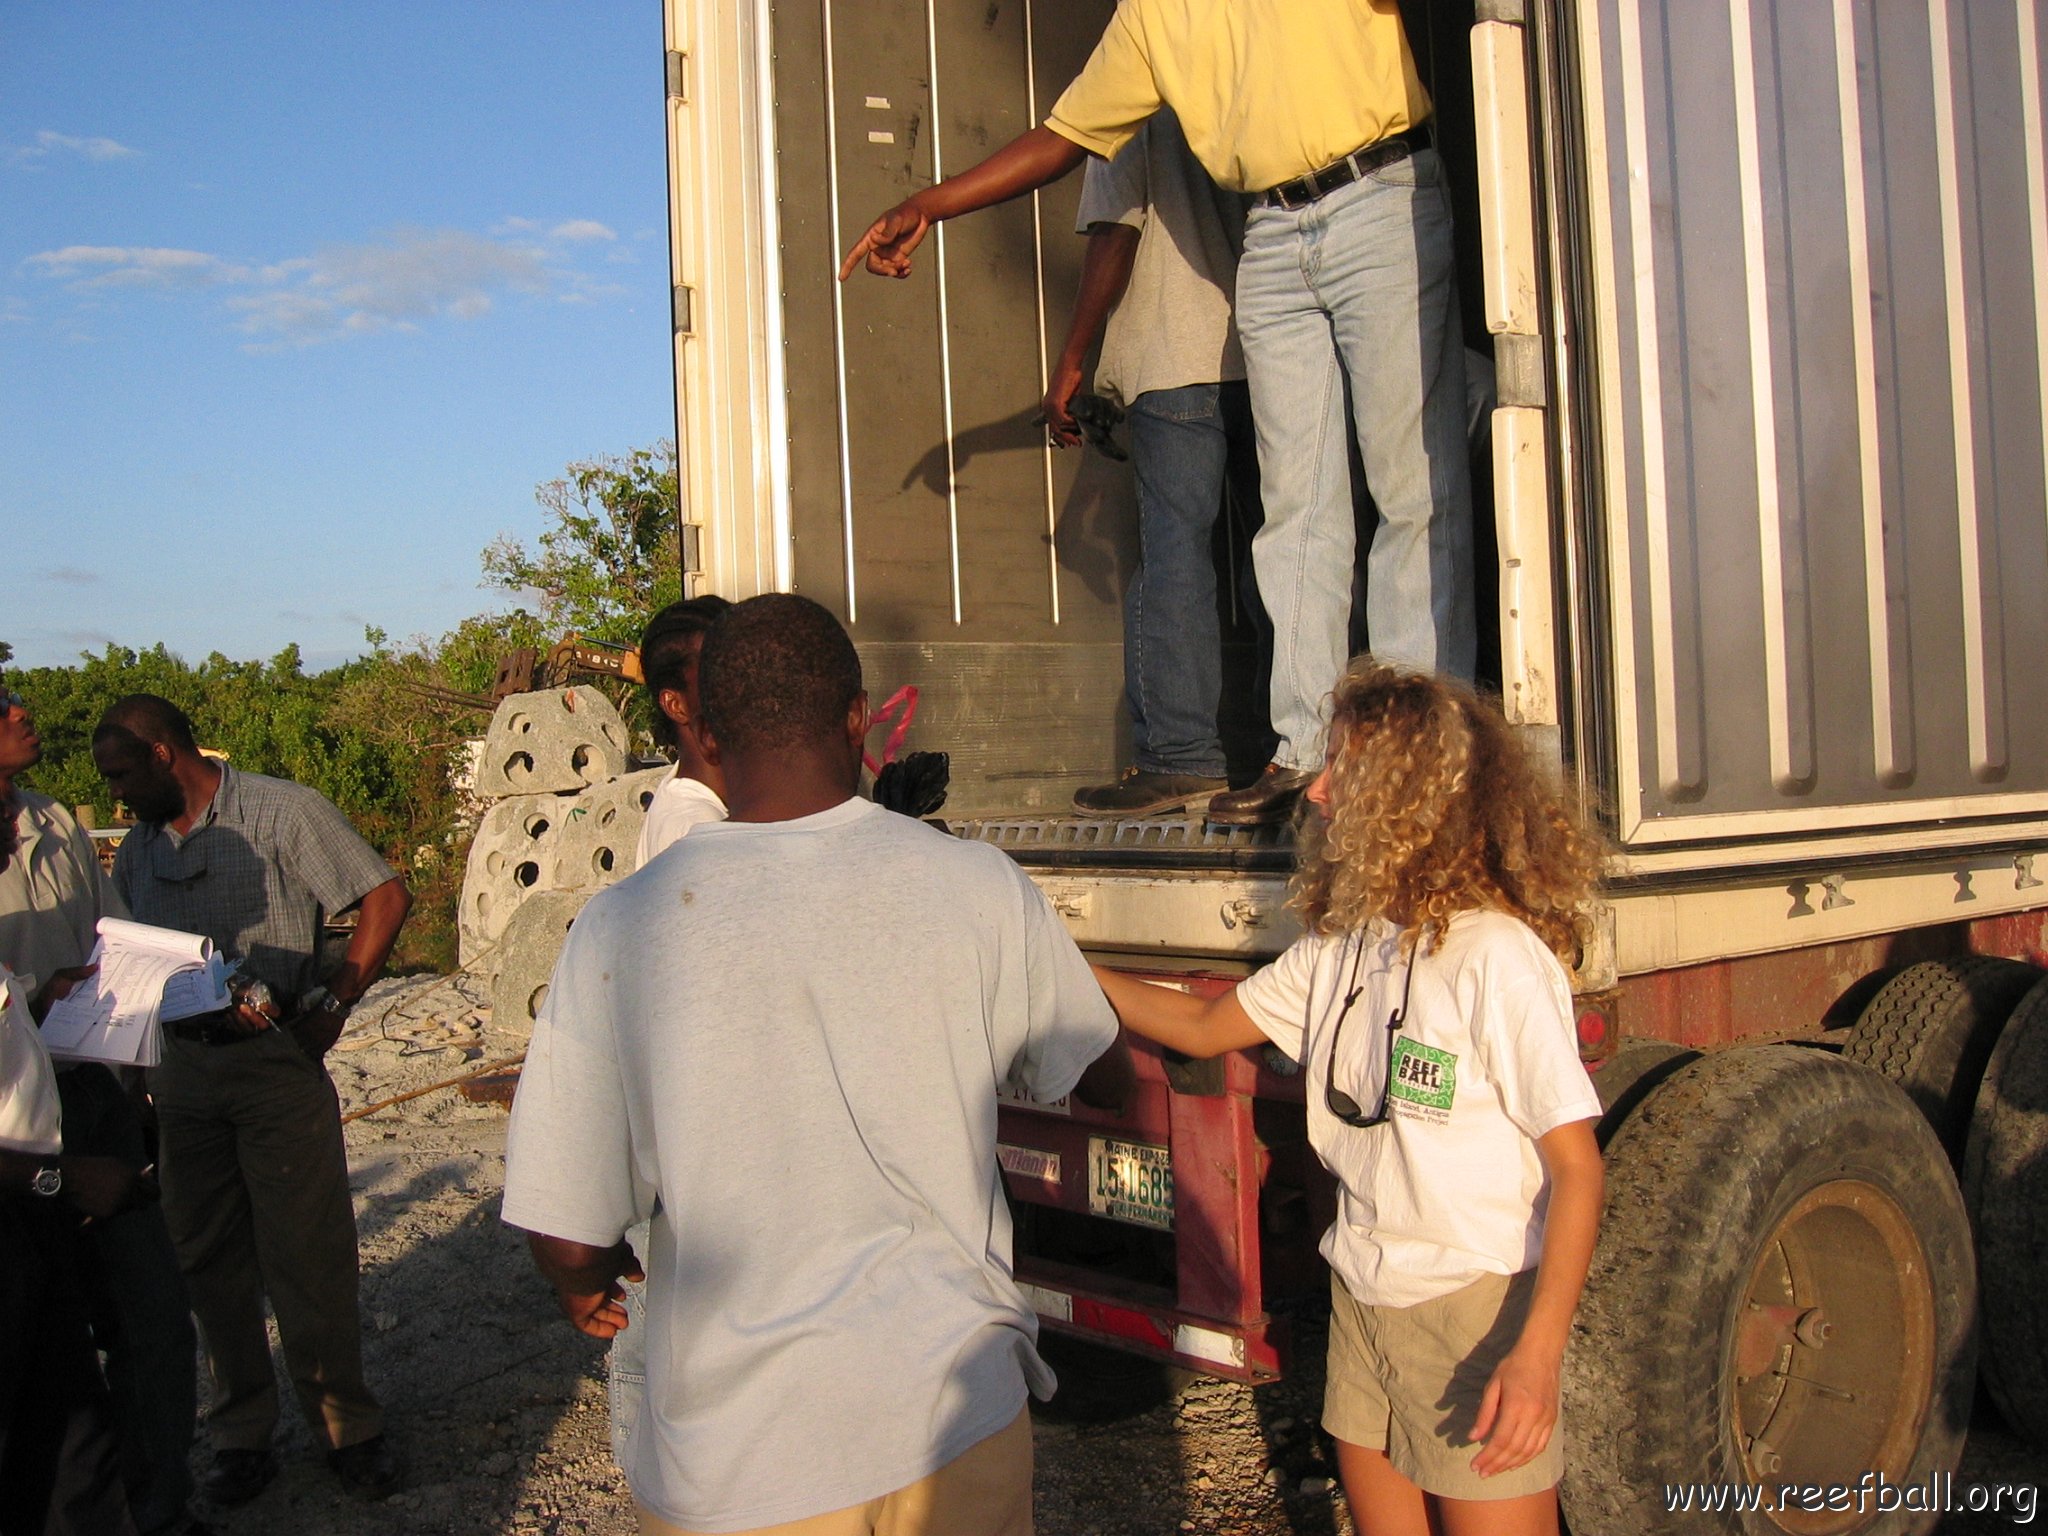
(1779,1333)
(1783,1299)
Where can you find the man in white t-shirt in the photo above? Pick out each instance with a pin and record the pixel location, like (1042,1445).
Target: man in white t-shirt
(695,792)
(783,1041)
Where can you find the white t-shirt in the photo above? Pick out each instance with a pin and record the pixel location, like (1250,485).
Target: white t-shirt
(679,804)
(1451,1187)
(30,1117)
(791,1035)
(1173,326)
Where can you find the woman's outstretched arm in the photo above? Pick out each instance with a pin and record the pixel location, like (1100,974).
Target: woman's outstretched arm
(1194,1026)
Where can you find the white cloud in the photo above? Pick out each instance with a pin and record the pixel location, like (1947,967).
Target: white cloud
(411,277)
(49,142)
(136,266)
(406,279)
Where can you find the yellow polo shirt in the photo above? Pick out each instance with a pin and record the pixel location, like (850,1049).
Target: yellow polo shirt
(1266,90)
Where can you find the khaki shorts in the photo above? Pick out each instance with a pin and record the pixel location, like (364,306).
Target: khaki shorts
(984,1491)
(1408,1381)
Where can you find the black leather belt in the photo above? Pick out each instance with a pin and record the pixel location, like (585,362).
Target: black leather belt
(1303,190)
(220,1028)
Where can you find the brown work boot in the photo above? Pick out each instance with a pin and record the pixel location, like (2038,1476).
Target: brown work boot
(1266,800)
(1141,792)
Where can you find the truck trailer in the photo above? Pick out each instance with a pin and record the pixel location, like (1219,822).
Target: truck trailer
(1765,285)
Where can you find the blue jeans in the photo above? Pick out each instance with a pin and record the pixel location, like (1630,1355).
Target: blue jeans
(626,1364)
(1358,286)
(1173,638)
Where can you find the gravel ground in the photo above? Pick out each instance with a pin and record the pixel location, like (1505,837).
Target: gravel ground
(499,1406)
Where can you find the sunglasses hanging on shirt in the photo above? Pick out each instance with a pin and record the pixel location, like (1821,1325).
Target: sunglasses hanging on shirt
(1339,1103)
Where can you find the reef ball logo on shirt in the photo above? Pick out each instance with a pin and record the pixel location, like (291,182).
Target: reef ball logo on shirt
(1424,1076)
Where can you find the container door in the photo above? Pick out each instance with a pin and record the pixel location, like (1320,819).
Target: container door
(1818,248)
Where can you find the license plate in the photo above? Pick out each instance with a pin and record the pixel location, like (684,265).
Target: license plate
(1129,1181)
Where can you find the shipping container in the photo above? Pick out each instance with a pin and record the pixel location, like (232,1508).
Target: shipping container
(1765,283)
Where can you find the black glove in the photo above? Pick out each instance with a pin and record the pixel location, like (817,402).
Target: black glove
(1097,418)
(915,784)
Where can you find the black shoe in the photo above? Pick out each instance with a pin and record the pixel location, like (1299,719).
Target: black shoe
(1140,792)
(1266,800)
(238,1475)
(368,1469)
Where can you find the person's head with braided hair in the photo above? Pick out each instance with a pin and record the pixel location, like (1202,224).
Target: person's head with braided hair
(670,648)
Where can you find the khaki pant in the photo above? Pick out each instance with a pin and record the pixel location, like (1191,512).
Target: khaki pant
(255,1185)
(1409,1381)
(984,1491)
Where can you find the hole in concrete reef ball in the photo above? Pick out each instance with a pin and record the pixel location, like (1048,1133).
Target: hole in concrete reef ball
(519,766)
(603,859)
(527,872)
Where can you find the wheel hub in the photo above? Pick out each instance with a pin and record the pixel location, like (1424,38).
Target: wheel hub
(1833,1350)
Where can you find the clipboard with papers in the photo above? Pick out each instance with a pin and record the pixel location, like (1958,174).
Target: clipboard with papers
(145,977)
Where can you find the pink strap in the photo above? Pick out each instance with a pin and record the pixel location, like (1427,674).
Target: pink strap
(904,698)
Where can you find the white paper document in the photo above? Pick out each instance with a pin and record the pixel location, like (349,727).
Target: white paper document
(146,975)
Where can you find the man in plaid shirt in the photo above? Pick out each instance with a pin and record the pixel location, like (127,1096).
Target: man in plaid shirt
(255,1177)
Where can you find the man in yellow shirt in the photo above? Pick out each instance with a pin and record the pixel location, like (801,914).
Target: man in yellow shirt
(1347,277)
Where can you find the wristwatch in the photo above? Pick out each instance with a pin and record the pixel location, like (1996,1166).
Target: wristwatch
(319,1000)
(47,1181)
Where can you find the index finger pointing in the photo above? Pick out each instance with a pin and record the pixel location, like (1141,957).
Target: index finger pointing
(860,249)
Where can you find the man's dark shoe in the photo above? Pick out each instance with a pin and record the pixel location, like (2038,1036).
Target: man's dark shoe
(1266,800)
(1141,792)
(238,1475)
(368,1469)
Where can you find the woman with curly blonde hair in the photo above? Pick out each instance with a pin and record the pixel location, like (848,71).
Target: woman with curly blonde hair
(1442,881)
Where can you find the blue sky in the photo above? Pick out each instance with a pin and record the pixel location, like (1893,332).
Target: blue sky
(298,303)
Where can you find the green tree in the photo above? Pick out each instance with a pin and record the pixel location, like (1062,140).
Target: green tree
(609,556)
(368,734)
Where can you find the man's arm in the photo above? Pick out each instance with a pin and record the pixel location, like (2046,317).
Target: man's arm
(98,1187)
(378,918)
(1033,159)
(1105,273)
(586,1280)
(1111,1079)
(377,923)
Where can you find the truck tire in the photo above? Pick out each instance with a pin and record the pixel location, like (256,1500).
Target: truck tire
(2006,1182)
(1634,1072)
(1930,1029)
(1783,1294)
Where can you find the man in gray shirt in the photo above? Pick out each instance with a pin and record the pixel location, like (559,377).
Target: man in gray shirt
(255,1177)
(1163,243)
(783,1041)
